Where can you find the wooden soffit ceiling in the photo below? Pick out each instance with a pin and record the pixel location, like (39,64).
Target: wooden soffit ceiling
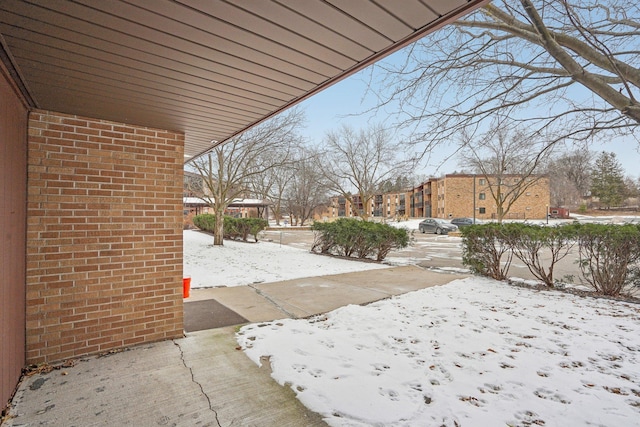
(208,68)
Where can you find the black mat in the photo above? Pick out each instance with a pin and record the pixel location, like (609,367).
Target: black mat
(209,314)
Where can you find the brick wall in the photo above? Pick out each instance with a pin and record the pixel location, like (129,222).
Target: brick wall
(104,236)
(457,194)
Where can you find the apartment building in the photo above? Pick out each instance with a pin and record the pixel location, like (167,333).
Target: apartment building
(457,195)
(388,205)
(469,195)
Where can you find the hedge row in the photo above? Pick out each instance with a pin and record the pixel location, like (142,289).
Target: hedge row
(351,237)
(608,255)
(234,228)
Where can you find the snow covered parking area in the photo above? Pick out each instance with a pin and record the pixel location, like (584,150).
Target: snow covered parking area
(475,352)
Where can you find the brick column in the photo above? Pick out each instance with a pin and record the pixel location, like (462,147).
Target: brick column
(104,236)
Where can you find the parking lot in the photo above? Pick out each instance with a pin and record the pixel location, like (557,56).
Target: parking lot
(438,252)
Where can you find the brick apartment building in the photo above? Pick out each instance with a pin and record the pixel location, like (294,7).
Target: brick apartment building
(455,195)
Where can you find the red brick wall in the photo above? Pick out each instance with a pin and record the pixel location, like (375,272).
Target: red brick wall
(104,236)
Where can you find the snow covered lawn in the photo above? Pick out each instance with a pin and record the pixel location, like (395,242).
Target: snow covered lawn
(241,263)
(475,352)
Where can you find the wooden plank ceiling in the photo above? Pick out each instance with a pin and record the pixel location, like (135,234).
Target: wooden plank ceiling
(208,68)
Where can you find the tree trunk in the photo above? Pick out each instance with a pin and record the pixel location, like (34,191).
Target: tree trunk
(218,236)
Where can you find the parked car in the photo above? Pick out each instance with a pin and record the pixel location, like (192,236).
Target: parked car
(438,226)
(462,222)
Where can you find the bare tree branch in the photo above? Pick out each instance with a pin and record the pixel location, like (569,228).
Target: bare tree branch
(565,68)
(510,161)
(356,163)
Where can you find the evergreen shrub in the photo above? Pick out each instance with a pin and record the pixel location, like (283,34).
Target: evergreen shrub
(234,228)
(608,254)
(352,237)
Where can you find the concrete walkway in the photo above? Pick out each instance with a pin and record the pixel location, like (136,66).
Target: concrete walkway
(202,379)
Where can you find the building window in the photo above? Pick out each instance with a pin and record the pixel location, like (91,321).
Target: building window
(482,196)
(482,210)
(482,181)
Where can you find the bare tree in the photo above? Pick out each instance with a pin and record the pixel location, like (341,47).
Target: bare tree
(358,162)
(566,68)
(272,185)
(228,169)
(570,177)
(509,160)
(306,190)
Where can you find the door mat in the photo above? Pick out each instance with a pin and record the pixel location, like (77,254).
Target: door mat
(209,314)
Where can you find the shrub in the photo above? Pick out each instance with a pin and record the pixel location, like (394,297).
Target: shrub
(234,228)
(353,237)
(609,256)
(256,225)
(530,242)
(386,238)
(230,228)
(241,228)
(205,222)
(485,250)
(348,235)
(323,237)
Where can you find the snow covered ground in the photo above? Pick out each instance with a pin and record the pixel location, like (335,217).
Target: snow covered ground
(475,352)
(238,263)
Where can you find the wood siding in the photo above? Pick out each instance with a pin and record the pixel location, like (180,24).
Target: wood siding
(13,185)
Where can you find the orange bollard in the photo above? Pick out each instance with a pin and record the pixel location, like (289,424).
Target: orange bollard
(186,286)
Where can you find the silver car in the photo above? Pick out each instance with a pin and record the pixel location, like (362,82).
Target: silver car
(434,225)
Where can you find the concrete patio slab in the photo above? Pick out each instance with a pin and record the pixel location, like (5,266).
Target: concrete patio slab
(203,379)
(200,380)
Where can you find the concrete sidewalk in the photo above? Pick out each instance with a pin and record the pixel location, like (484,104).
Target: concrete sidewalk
(203,379)
(305,297)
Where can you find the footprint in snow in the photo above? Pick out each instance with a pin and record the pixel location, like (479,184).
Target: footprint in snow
(490,388)
(543,393)
(390,394)
(527,418)
(473,400)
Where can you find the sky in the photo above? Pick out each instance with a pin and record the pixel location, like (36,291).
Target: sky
(347,101)
(472,352)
